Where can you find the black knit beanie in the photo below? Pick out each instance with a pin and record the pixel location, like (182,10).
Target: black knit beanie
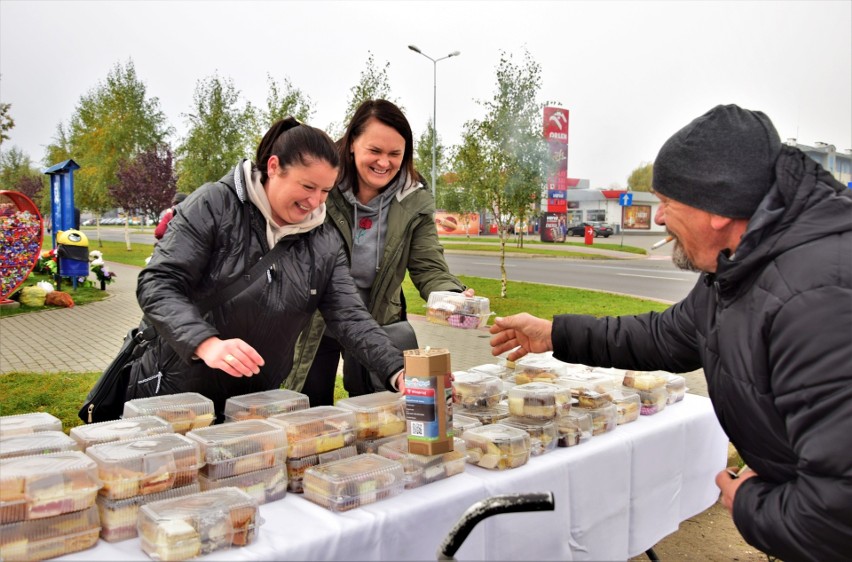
(723,162)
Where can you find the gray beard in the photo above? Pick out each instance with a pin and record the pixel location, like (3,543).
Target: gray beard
(680,260)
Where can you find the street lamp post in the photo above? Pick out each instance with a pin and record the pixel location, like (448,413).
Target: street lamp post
(434,104)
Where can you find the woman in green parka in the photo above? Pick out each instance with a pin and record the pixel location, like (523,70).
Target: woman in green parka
(385,214)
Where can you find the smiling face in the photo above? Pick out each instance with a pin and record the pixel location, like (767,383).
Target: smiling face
(296,191)
(695,238)
(378,153)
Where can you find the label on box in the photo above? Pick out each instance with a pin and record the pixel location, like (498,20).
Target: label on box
(428,401)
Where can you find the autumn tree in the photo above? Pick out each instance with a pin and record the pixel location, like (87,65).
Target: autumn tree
(423,157)
(6,121)
(640,178)
(147,184)
(373,84)
(222,130)
(17,173)
(503,155)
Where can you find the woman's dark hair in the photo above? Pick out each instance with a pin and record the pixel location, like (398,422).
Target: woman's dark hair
(389,114)
(293,142)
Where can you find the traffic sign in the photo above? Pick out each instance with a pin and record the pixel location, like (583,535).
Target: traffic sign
(625,199)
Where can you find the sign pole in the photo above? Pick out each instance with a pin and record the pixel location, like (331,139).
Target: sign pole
(622,226)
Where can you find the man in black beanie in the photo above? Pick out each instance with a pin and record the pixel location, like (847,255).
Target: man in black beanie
(769,321)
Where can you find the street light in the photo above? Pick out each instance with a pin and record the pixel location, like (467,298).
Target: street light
(434,103)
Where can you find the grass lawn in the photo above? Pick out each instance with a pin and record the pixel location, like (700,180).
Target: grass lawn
(83,295)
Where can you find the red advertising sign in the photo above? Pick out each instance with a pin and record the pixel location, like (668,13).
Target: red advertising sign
(455,223)
(556,124)
(557,205)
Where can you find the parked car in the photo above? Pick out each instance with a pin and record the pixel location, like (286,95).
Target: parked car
(601,229)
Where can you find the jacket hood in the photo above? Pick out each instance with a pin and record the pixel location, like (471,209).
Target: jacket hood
(804,204)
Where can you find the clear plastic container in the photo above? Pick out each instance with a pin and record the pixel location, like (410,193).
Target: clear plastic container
(41,486)
(265,485)
(146,465)
(118,517)
(574,429)
(538,367)
(543,434)
(376,415)
(497,446)
(627,404)
(604,419)
(296,467)
(189,526)
(493,369)
(457,310)
(51,537)
(372,445)
(261,405)
(676,388)
(592,399)
(487,416)
(24,424)
(185,411)
(653,401)
(316,430)
(239,447)
(117,430)
(639,380)
(349,483)
(36,444)
(539,400)
(462,423)
(476,390)
(425,469)
(588,380)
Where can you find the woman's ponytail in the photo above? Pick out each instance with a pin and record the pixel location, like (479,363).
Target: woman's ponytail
(289,140)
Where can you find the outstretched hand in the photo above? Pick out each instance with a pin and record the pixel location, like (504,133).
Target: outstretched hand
(528,333)
(234,356)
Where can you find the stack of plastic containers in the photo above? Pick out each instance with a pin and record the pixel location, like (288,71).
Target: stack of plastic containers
(497,446)
(591,390)
(477,395)
(138,471)
(36,444)
(651,388)
(186,527)
(534,407)
(185,411)
(24,424)
(627,405)
(457,310)
(247,454)
(377,416)
(316,436)
(47,505)
(118,430)
(261,405)
(537,367)
(424,469)
(352,482)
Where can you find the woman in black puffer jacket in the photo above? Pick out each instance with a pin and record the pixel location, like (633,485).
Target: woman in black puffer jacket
(246,344)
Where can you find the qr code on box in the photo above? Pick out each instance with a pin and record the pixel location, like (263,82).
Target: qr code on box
(418,429)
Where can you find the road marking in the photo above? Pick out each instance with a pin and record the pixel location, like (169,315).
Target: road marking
(651,276)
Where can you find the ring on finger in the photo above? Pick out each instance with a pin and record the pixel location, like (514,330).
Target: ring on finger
(229,358)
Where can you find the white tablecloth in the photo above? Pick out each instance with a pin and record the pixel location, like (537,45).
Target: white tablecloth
(616,496)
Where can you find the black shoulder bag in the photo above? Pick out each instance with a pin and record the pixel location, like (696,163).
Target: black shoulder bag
(105,401)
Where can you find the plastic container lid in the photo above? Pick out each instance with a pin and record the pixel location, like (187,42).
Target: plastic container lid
(604,419)
(116,430)
(146,465)
(639,380)
(185,411)
(588,380)
(36,444)
(296,467)
(592,399)
(118,517)
(24,424)
(538,368)
(239,447)
(476,390)
(653,401)
(543,433)
(487,415)
(51,537)
(627,405)
(676,387)
(196,524)
(499,371)
(348,483)
(497,446)
(457,310)
(424,469)
(462,423)
(381,414)
(316,430)
(575,428)
(266,485)
(539,400)
(41,486)
(261,405)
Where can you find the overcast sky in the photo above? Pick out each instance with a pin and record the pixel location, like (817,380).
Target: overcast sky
(630,73)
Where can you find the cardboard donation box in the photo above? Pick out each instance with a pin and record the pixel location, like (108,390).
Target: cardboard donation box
(429,401)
